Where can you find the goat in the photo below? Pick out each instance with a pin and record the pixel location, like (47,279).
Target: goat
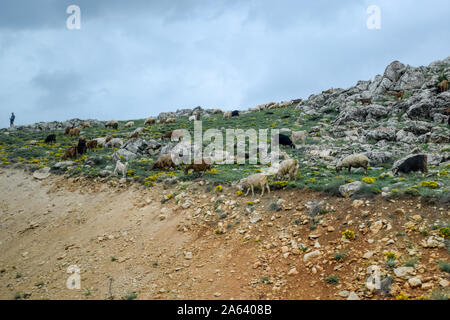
(443,86)
(92,144)
(164,161)
(71,153)
(414,163)
(50,138)
(366,101)
(75,132)
(81,146)
(121,167)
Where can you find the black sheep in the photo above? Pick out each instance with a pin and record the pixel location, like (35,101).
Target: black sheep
(414,163)
(285,140)
(235,113)
(81,146)
(50,138)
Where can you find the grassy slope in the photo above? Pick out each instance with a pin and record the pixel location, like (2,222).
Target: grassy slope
(17,148)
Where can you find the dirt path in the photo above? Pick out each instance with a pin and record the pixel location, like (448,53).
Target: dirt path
(123,243)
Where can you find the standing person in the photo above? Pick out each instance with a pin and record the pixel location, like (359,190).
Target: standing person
(11,120)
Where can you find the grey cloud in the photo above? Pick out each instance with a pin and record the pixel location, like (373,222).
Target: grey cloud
(132,59)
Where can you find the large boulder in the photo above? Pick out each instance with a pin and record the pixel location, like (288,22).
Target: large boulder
(349,189)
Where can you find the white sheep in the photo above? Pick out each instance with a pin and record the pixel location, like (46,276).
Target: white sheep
(129,124)
(114,143)
(255,180)
(121,167)
(290,167)
(355,161)
(228,114)
(100,142)
(298,136)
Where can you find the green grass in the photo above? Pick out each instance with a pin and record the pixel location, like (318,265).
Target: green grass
(17,149)
(131,296)
(444,266)
(332,279)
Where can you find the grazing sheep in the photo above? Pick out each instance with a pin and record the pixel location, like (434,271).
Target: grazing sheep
(174,135)
(366,101)
(414,163)
(198,167)
(114,143)
(298,136)
(67,130)
(355,161)
(71,153)
(164,161)
(397,95)
(75,132)
(227,114)
(81,146)
(121,167)
(129,124)
(100,142)
(258,179)
(443,86)
(149,121)
(85,124)
(108,139)
(217,111)
(290,167)
(113,124)
(134,135)
(171,120)
(235,113)
(195,117)
(50,138)
(285,140)
(92,144)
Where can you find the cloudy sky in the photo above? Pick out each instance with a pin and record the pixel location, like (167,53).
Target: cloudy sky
(136,58)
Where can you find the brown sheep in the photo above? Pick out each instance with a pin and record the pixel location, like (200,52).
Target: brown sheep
(198,167)
(108,139)
(170,120)
(443,86)
(134,136)
(398,95)
(75,132)
(85,124)
(164,161)
(67,130)
(92,144)
(149,121)
(113,124)
(366,101)
(71,153)
(329,91)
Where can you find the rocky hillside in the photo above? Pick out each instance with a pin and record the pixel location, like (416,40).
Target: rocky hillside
(368,118)
(166,234)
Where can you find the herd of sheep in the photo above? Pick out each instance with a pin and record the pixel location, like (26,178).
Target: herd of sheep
(288,167)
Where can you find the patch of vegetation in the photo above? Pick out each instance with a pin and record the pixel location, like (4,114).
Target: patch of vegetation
(332,279)
(131,296)
(444,266)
